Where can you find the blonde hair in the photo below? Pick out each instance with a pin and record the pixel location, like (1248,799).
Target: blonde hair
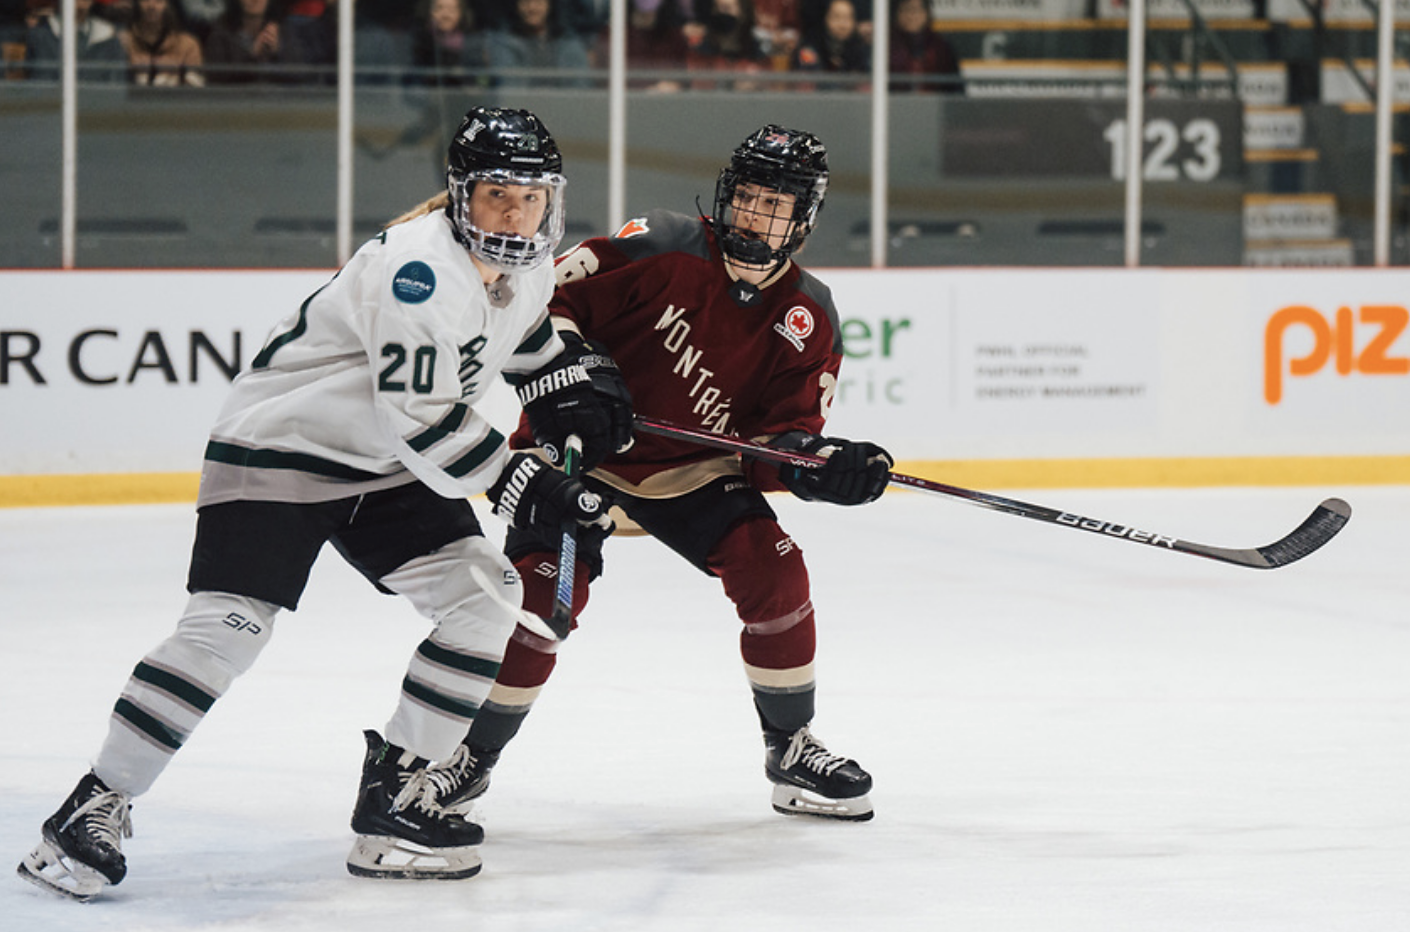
(430,205)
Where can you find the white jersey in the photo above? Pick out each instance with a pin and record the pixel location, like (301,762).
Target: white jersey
(373,382)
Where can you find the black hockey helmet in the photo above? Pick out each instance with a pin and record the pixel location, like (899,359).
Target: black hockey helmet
(510,147)
(786,160)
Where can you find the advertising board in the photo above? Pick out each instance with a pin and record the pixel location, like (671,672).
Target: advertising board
(124,372)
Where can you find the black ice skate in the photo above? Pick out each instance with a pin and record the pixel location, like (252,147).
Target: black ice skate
(81,849)
(464,778)
(403,832)
(809,780)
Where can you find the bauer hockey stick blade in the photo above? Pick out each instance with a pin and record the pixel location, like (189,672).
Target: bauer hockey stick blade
(561,621)
(1321,526)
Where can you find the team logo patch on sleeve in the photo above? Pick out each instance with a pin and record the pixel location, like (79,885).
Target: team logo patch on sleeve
(633,227)
(797,326)
(413,283)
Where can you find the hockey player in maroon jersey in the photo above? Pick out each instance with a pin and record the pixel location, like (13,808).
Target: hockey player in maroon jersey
(713,325)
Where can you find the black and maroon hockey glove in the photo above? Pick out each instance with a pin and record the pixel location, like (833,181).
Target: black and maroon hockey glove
(531,495)
(609,387)
(580,392)
(856,472)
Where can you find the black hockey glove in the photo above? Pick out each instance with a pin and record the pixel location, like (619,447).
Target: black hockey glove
(610,388)
(580,392)
(530,494)
(856,472)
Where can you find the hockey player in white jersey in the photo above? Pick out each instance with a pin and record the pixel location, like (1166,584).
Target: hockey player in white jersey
(357,424)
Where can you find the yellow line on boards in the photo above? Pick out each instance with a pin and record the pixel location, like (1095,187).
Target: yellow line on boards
(1173,472)
(107,489)
(33,491)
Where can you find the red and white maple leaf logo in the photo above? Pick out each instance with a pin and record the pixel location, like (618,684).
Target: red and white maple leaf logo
(799,322)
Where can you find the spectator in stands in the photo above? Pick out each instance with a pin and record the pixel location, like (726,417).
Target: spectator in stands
(722,39)
(778,27)
(655,41)
(582,17)
(491,15)
(535,42)
(838,48)
(159,52)
(920,52)
(447,49)
(100,53)
(382,39)
(15,20)
(118,12)
(394,15)
(247,46)
(812,16)
(311,28)
(14,27)
(200,16)
(587,18)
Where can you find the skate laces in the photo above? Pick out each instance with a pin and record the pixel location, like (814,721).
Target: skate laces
(804,748)
(106,818)
(426,787)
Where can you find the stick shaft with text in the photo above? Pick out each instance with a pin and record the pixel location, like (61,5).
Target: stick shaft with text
(561,621)
(1326,520)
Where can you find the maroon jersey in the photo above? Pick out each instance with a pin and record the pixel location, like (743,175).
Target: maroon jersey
(699,348)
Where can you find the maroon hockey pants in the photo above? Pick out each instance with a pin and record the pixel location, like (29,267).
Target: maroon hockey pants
(763,573)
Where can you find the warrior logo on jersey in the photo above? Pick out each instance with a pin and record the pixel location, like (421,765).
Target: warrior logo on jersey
(796,327)
(413,283)
(743,293)
(633,227)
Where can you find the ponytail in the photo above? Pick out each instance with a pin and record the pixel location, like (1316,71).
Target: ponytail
(430,205)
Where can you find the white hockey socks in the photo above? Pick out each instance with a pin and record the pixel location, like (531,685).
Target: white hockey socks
(174,686)
(453,669)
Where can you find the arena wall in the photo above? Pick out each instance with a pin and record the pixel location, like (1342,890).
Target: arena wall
(109,380)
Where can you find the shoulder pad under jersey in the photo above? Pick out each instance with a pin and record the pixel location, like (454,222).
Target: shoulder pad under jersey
(815,290)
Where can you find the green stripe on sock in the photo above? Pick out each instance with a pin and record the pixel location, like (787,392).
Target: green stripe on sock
(456,707)
(182,689)
(148,725)
(476,666)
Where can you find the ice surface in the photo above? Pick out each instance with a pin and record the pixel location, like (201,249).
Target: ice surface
(1067,733)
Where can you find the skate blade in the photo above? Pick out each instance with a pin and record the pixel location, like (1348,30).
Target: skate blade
(48,869)
(793,800)
(383,857)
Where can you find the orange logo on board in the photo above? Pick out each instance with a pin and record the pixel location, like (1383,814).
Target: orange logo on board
(1360,343)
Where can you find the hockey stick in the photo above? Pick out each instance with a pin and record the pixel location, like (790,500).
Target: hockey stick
(1321,526)
(561,621)
(528,619)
